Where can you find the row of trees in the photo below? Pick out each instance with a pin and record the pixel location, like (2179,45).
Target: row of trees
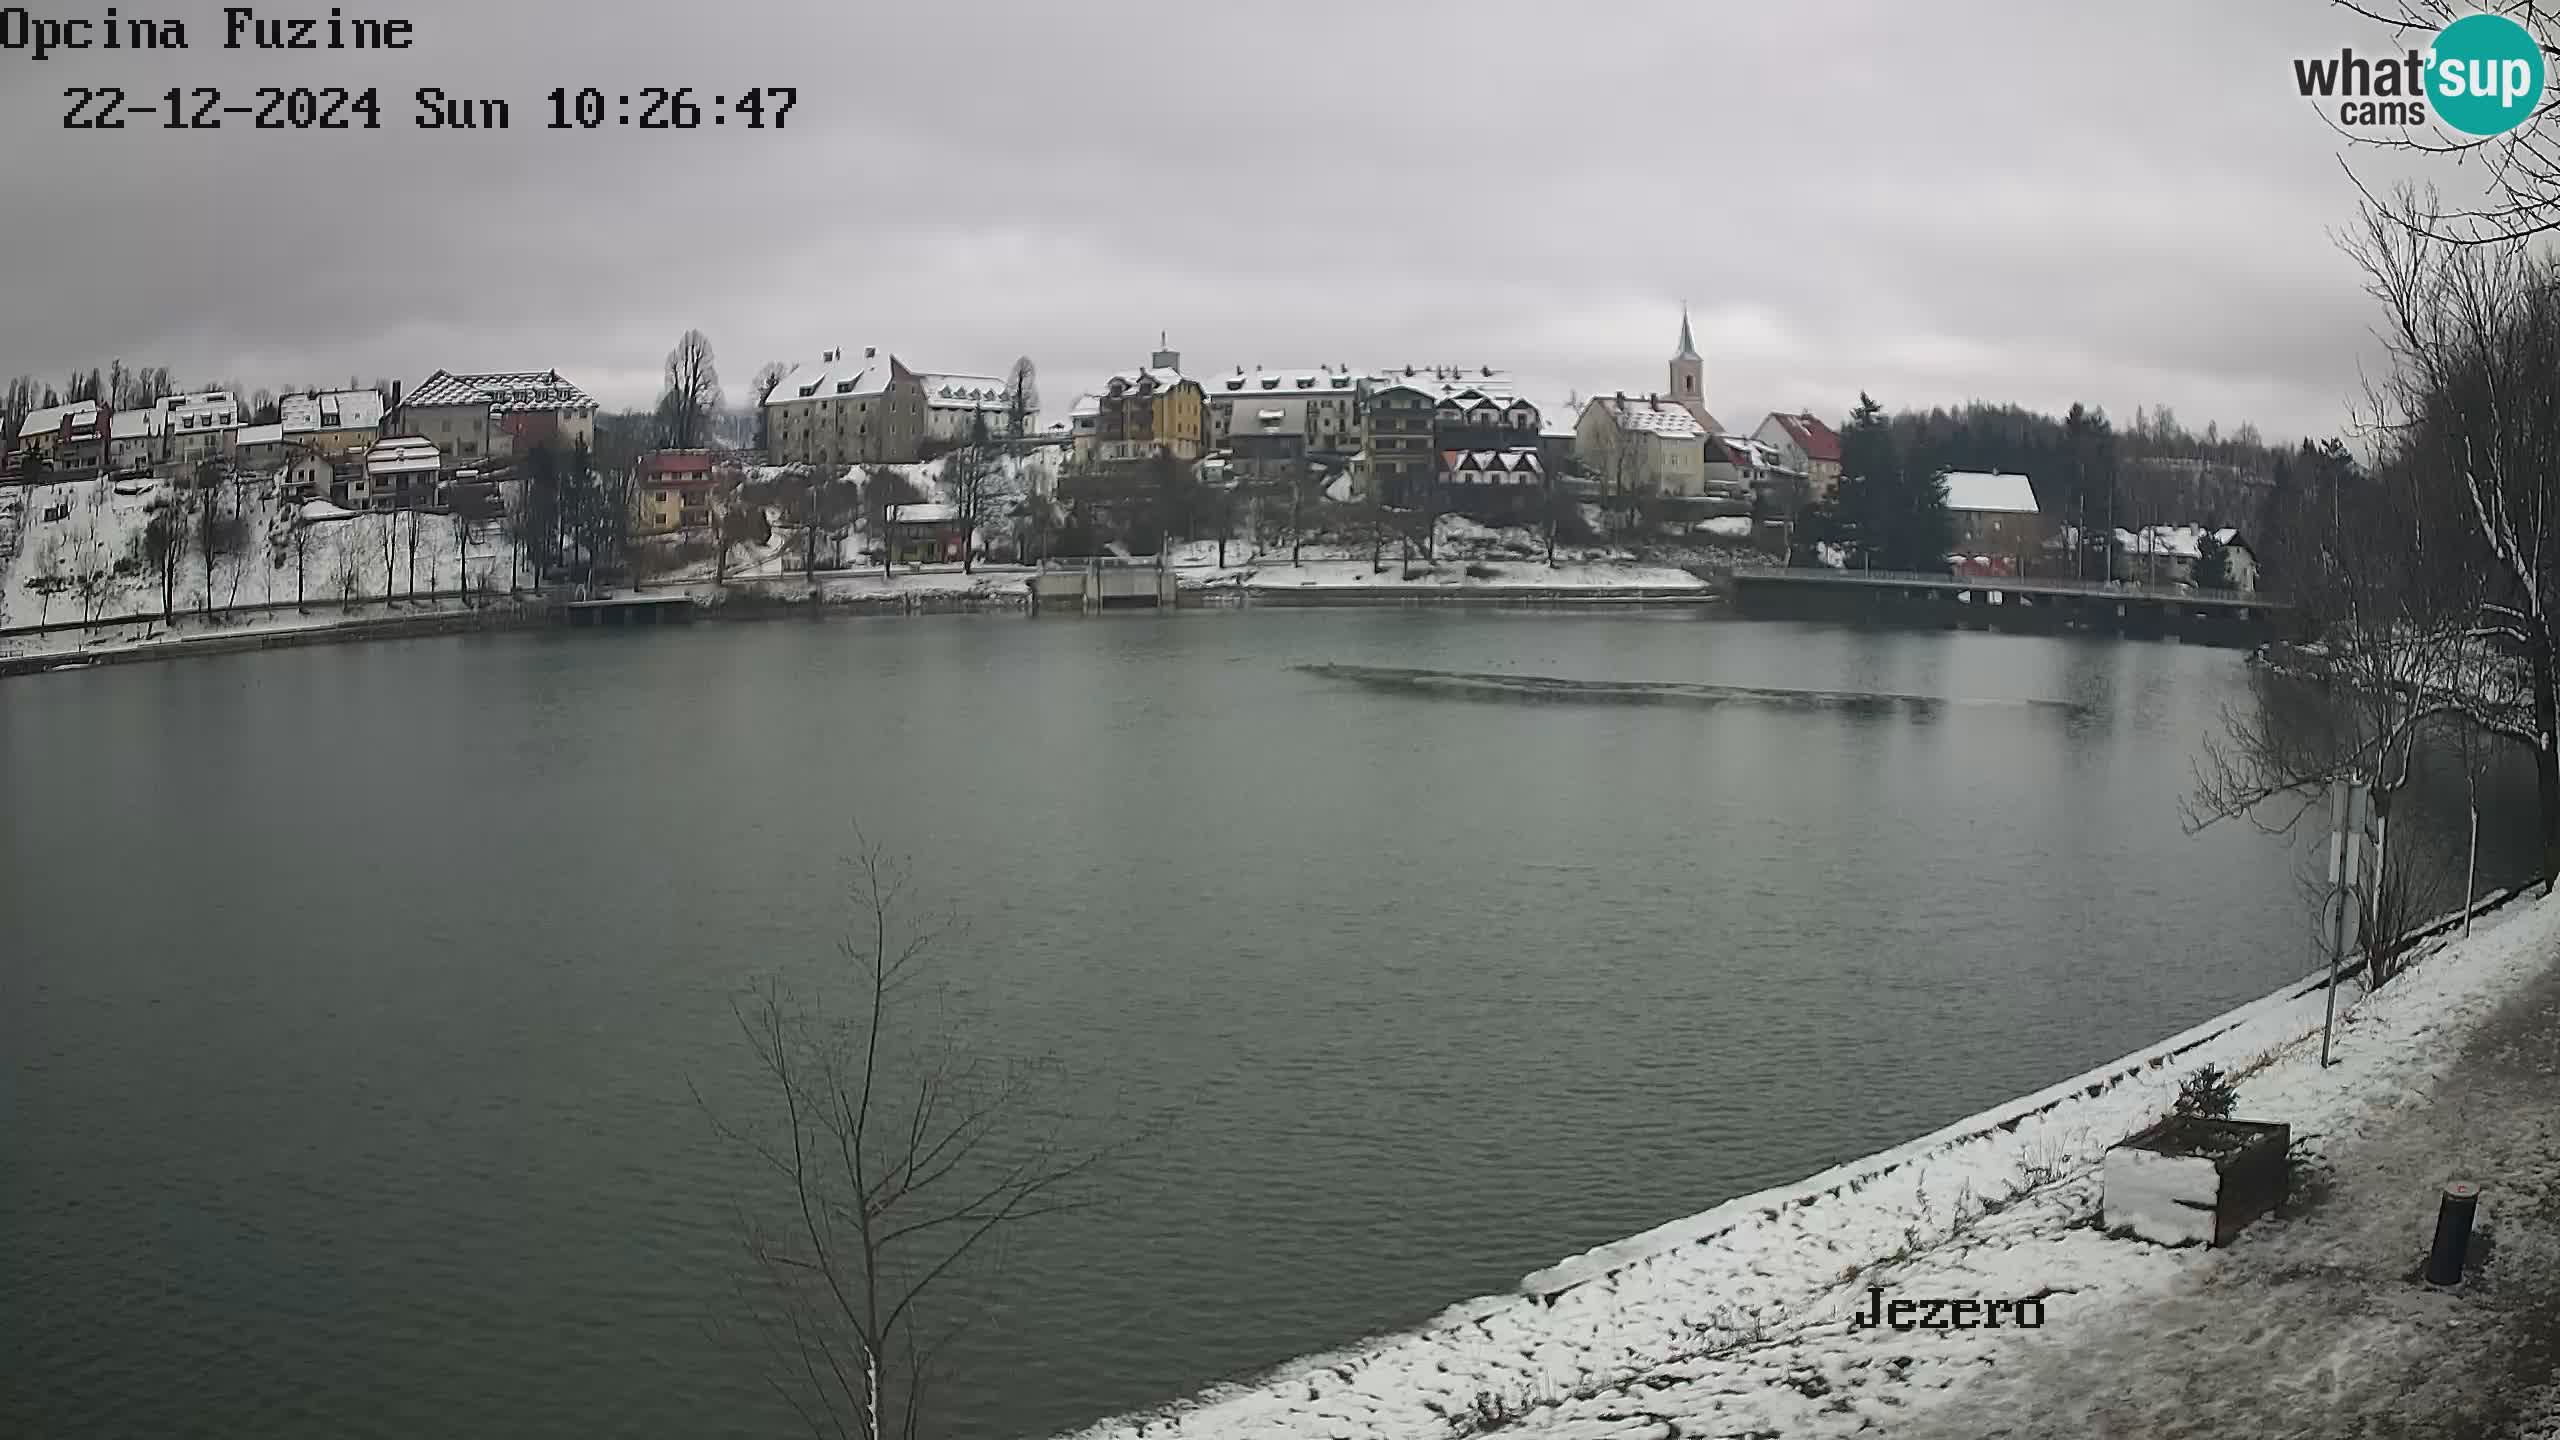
(2432,575)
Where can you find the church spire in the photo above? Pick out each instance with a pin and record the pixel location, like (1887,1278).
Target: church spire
(1688,347)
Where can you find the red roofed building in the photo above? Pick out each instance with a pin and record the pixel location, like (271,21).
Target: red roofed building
(1806,444)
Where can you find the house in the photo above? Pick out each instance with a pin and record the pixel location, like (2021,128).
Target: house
(197,427)
(1643,445)
(847,409)
(2167,555)
(470,418)
(1415,423)
(671,491)
(63,438)
(1499,485)
(959,409)
(258,447)
(1742,468)
(924,533)
(1397,461)
(332,422)
(1158,409)
(1997,526)
(1807,446)
(1083,426)
(1318,409)
(2240,559)
(135,441)
(397,474)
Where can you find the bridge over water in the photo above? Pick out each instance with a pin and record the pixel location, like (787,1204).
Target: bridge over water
(2045,606)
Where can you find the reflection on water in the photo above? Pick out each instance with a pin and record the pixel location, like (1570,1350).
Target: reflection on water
(353,999)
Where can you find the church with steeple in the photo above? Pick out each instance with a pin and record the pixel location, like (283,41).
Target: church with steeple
(1689,379)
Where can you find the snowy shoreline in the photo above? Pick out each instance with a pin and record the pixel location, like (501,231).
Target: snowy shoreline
(1738,1319)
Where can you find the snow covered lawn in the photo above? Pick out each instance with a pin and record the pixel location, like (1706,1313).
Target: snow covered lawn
(1741,1320)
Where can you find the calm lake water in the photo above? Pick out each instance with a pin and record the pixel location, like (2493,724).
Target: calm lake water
(351,997)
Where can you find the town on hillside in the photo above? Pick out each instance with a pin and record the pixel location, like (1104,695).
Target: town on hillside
(125,496)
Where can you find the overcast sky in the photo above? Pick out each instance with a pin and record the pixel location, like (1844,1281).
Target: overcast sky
(2122,204)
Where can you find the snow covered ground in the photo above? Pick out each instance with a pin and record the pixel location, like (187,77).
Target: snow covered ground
(89,562)
(1741,1320)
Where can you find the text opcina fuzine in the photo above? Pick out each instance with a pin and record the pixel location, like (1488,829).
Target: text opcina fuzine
(1944,1313)
(240,27)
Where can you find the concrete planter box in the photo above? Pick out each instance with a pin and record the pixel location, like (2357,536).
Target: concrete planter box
(2193,1181)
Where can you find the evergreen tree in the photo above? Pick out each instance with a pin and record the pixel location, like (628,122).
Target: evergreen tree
(1858,520)
(2213,564)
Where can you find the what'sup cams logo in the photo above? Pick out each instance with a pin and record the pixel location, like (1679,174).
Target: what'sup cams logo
(2482,76)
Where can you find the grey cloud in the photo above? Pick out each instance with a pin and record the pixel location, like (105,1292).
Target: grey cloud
(2124,205)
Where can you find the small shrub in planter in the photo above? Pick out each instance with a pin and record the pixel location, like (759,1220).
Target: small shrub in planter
(2209,1093)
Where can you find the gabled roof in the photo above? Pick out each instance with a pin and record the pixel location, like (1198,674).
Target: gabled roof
(137,424)
(80,413)
(1653,416)
(405,454)
(843,372)
(923,512)
(260,435)
(504,392)
(1982,493)
(1817,440)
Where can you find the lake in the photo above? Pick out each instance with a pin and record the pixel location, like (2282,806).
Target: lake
(354,999)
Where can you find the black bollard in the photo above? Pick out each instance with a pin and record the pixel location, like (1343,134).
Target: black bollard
(2453,1233)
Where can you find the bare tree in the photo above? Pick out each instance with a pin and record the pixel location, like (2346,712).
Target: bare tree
(2519,170)
(768,375)
(2474,399)
(347,578)
(895,1165)
(1021,398)
(980,487)
(692,394)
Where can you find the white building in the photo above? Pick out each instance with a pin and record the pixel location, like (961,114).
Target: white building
(397,474)
(847,408)
(497,415)
(193,427)
(136,441)
(1643,445)
(1744,465)
(956,405)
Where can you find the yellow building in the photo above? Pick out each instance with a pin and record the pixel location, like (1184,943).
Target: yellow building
(1158,408)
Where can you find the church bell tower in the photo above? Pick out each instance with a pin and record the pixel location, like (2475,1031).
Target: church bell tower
(1689,374)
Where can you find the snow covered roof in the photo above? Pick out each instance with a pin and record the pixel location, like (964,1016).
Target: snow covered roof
(841,372)
(963,392)
(504,392)
(1817,440)
(406,456)
(1086,407)
(923,512)
(1165,379)
(315,511)
(136,424)
(2178,542)
(1438,381)
(1752,454)
(50,419)
(261,435)
(1984,493)
(1323,381)
(331,410)
(1513,467)
(1652,416)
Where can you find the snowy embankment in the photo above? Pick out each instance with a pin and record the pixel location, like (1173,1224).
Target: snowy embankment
(1738,1320)
(81,552)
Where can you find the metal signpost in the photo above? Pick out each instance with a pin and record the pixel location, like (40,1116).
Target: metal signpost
(2349,804)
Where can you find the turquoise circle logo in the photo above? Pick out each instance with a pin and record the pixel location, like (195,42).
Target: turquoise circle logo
(2485,75)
